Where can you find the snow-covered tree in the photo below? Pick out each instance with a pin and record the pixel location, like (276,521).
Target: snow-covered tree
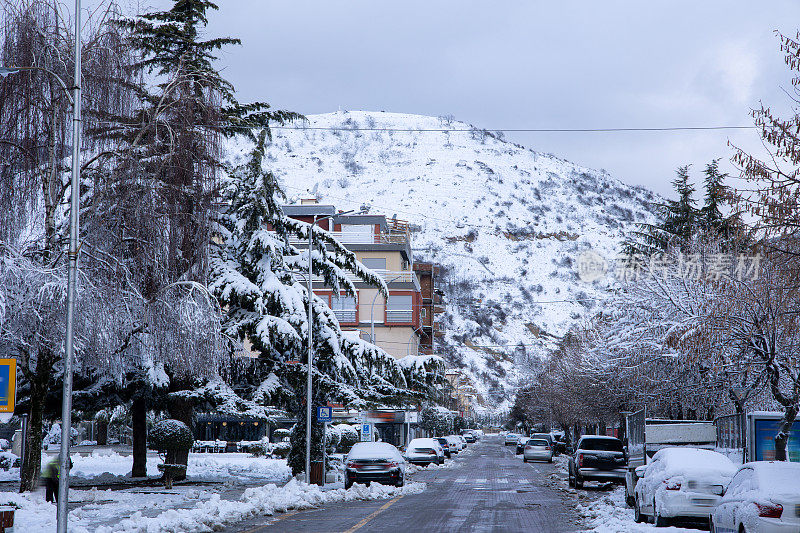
(254,276)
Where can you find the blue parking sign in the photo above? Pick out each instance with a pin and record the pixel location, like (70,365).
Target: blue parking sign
(366,432)
(324,414)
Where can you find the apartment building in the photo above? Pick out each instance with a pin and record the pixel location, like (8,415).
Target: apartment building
(431,306)
(384,246)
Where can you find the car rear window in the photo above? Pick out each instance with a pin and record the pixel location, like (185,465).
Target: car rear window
(601,445)
(538,442)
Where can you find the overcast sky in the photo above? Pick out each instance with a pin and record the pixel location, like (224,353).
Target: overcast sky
(531,64)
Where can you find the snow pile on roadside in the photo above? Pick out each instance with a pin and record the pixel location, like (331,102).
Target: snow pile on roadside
(33,514)
(213,514)
(610,514)
(413,469)
(107,466)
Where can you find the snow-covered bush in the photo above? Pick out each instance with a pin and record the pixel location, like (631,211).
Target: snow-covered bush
(280,450)
(170,435)
(348,435)
(53,437)
(279,434)
(8,460)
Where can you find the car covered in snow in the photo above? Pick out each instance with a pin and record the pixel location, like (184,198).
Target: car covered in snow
(374,461)
(511,439)
(445,445)
(455,443)
(597,458)
(469,435)
(681,482)
(521,443)
(762,497)
(537,450)
(425,451)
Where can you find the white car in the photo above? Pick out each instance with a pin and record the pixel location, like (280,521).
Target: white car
(537,450)
(762,497)
(425,452)
(681,483)
(511,439)
(455,443)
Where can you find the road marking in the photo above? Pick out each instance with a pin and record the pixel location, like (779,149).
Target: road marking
(373,515)
(461,480)
(480,481)
(502,481)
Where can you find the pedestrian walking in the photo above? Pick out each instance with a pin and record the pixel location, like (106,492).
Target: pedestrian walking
(51,475)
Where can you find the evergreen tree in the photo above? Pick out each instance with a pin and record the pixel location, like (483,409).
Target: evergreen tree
(252,277)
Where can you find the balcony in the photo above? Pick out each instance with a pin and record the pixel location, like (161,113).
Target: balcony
(347,316)
(399,316)
(388,237)
(393,276)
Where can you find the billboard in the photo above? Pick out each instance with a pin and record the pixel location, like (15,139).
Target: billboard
(764,431)
(8,386)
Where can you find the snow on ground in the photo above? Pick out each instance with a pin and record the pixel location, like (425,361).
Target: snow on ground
(185,508)
(215,513)
(108,466)
(610,514)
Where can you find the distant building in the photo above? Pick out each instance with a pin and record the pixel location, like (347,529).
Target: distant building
(432,305)
(384,246)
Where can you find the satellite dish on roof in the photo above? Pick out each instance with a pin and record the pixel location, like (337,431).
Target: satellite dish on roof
(394,217)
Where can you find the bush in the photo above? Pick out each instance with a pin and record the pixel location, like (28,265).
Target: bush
(279,434)
(281,450)
(8,460)
(348,435)
(170,435)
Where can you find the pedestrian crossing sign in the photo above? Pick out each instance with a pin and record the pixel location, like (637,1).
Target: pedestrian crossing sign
(8,385)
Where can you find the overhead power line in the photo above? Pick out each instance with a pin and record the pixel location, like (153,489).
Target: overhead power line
(516,130)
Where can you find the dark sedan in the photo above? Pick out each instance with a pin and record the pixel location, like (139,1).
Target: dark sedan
(374,461)
(597,458)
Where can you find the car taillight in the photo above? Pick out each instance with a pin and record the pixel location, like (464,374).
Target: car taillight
(672,485)
(351,464)
(770,510)
(547,448)
(580,459)
(528,447)
(391,464)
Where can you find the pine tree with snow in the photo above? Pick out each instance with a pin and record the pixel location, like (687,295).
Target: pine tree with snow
(253,275)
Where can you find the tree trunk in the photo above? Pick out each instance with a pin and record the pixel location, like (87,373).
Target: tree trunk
(784,429)
(102,433)
(39,383)
(182,410)
(139,423)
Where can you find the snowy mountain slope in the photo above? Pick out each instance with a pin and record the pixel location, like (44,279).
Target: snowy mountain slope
(506,223)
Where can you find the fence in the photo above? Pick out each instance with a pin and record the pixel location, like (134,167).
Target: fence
(731,432)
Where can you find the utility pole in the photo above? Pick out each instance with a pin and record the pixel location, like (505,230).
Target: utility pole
(310,352)
(72,278)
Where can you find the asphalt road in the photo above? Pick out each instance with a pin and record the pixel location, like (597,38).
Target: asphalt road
(489,490)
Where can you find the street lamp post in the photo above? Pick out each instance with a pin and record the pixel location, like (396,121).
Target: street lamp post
(72,272)
(311,344)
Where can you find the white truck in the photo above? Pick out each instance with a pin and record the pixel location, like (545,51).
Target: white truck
(645,436)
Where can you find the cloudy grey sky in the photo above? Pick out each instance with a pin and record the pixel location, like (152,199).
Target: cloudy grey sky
(532,64)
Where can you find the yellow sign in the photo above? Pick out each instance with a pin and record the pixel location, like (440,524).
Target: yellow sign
(8,385)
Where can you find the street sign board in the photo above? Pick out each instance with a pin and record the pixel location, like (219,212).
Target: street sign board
(412,417)
(324,414)
(8,388)
(366,432)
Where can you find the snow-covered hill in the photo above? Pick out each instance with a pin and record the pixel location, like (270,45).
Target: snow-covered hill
(507,224)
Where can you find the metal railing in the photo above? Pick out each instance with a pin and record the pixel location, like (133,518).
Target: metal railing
(345,315)
(390,237)
(403,276)
(399,315)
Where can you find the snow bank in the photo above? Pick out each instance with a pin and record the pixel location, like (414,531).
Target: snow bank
(215,513)
(609,514)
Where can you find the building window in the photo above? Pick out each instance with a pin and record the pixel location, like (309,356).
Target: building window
(357,234)
(374,263)
(423,312)
(344,307)
(399,308)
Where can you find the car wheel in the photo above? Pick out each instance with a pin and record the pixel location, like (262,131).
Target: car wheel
(347,484)
(401,481)
(578,482)
(711,527)
(550,460)
(638,517)
(437,461)
(658,520)
(570,480)
(524,460)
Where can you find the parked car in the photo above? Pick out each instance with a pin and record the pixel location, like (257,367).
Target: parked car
(680,482)
(424,452)
(763,496)
(537,450)
(511,439)
(456,445)
(463,441)
(521,443)
(468,435)
(445,446)
(374,461)
(597,458)
(547,436)
(559,442)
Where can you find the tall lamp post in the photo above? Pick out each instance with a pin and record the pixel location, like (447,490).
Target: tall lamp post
(310,341)
(72,273)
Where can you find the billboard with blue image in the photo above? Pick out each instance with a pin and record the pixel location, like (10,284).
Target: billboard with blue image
(764,440)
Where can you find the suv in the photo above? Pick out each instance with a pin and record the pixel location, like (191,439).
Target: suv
(597,458)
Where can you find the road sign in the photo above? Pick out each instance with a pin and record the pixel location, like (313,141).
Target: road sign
(8,388)
(366,432)
(324,414)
